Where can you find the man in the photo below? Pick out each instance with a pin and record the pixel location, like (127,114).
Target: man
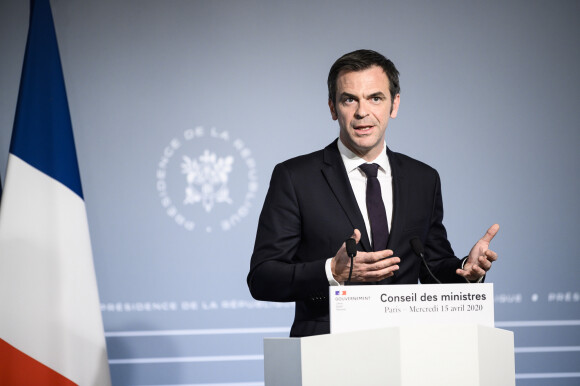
(318,200)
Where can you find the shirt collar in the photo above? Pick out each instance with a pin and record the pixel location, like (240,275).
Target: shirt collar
(353,161)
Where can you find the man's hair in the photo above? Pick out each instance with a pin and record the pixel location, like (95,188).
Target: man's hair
(360,60)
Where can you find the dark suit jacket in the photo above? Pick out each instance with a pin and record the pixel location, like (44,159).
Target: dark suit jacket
(310,210)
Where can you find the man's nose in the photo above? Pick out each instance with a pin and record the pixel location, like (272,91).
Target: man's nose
(361,110)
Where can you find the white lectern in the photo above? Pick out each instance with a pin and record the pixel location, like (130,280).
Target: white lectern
(439,355)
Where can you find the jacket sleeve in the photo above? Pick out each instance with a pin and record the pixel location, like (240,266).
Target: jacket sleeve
(276,272)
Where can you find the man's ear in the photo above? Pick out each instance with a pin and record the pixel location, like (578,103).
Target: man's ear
(332,110)
(395,106)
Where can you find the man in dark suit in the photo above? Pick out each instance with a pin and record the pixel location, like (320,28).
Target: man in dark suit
(318,200)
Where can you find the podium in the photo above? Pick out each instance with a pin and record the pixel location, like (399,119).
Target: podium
(419,355)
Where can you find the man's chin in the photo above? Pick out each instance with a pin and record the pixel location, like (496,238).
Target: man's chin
(369,144)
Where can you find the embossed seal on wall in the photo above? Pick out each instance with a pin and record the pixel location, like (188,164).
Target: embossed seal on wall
(205,180)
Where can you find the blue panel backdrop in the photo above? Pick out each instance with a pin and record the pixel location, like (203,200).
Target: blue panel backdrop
(161,90)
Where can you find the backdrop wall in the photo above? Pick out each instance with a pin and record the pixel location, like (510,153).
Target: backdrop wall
(489,98)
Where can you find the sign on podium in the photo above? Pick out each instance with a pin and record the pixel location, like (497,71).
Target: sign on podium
(365,307)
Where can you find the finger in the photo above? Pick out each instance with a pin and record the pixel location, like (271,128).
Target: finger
(484,263)
(490,255)
(473,273)
(461,272)
(477,271)
(491,232)
(370,276)
(390,272)
(385,263)
(381,255)
(374,257)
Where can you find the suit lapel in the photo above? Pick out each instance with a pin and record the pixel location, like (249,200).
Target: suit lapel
(336,177)
(399,200)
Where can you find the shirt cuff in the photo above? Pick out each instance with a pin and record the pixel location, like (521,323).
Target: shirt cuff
(329,276)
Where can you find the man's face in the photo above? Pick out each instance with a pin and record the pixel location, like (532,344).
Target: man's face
(363,108)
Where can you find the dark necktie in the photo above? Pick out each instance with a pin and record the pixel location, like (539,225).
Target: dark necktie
(376,208)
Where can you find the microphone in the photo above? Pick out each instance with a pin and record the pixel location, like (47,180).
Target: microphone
(417,247)
(351,252)
(350,247)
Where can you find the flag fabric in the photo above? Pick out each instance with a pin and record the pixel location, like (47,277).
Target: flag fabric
(51,329)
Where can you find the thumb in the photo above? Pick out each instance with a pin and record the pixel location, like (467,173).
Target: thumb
(356,235)
(490,234)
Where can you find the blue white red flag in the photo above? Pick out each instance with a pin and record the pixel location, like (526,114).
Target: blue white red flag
(51,329)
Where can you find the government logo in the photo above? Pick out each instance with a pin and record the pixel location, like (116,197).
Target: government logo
(206,180)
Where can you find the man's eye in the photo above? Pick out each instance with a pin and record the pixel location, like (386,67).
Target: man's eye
(348,100)
(376,99)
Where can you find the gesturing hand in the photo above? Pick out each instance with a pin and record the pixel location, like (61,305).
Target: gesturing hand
(480,257)
(368,266)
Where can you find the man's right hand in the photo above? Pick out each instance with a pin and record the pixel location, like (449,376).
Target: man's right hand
(368,266)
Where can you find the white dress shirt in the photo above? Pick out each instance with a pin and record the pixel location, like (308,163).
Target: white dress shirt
(358,181)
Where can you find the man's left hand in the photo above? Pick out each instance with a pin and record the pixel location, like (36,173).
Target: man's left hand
(480,257)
